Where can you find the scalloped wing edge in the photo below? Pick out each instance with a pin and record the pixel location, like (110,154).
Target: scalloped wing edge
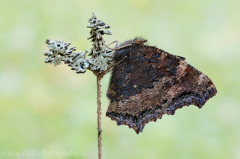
(170,110)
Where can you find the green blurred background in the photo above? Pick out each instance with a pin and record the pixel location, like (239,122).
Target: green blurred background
(49,108)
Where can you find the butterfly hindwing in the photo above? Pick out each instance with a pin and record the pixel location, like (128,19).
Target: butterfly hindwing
(150,82)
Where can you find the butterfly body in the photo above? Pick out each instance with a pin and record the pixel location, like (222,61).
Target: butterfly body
(149,82)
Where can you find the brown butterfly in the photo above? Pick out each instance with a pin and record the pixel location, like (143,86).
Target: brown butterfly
(149,82)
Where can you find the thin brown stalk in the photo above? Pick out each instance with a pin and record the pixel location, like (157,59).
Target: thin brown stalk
(99,116)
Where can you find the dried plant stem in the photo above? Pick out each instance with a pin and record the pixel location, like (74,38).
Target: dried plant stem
(99,109)
(99,116)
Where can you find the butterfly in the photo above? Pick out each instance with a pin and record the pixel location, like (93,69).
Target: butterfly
(148,82)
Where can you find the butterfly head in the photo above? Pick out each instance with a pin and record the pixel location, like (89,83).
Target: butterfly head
(139,41)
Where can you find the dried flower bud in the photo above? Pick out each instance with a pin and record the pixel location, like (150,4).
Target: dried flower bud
(101,55)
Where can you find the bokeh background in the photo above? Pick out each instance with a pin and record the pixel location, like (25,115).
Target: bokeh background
(49,108)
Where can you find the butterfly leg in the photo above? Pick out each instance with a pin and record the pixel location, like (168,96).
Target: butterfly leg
(116,41)
(116,47)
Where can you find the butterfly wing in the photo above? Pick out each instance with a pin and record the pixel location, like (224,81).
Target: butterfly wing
(150,82)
